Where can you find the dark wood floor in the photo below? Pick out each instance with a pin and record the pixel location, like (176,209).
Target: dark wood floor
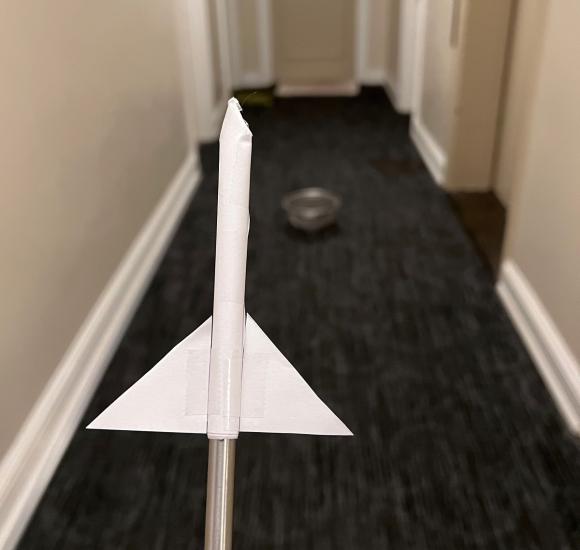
(483,217)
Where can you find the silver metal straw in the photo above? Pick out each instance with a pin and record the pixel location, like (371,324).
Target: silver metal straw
(219,509)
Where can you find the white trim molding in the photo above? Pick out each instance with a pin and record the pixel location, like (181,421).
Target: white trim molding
(365,74)
(373,77)
(391,91)
(322,90)
(556,364)
(35,453)
(433,155)
(209,108)
(361,18)
(418,58)
(263,75)
(404,88)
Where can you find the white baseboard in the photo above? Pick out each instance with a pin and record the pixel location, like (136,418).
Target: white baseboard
(554,360)
(35,453)
(323,90)
(432,154)
(392,95)
(373,77)
(249,81)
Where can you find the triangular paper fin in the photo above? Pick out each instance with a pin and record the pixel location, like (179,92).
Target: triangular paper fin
(275,398)
(172,396)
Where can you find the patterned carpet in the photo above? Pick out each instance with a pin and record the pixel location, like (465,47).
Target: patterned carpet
(393,320)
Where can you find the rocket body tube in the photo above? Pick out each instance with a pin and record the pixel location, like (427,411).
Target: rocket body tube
(228,321)
(198,386)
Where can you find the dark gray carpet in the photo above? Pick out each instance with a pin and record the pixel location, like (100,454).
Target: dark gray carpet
(392,318)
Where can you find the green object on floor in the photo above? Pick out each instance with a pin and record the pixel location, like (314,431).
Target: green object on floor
(255,98)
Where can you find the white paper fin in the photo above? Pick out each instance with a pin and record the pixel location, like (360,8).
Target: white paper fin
(171,397)
(275,398)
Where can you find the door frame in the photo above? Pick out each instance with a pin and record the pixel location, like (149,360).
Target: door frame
(209,111)
(410,54)
(263,75)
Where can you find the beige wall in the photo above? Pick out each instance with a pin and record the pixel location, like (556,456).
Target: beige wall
(461,52)
(519,92)
(544,224)
(482,47)
(92,133)
(380,40)
(438,77)
(314,42)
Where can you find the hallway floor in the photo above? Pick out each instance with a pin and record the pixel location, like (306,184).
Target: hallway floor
(392,318)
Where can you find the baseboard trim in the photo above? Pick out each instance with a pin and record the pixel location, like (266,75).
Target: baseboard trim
(250,81)
(374,77)
(556,364)
(432,154)
(324,90)
(392,95)
(34,455)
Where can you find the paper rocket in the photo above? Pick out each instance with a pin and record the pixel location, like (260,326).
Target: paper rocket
(227,376)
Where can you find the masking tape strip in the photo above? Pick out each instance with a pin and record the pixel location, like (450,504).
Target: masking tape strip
(197,380)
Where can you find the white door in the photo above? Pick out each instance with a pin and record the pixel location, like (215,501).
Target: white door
(314,46)
(435,82)
(461,55)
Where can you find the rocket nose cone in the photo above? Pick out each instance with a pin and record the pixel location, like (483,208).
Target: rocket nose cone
(234,103)
(234,123)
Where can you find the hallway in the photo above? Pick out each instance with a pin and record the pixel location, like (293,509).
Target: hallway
(391,317)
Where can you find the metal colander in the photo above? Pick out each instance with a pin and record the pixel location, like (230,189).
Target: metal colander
(311,209)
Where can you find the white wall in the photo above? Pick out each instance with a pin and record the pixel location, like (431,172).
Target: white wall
(435,85)
(371,41)
(540,278)
(461,50)
(208,40)
(437,92)
(392,48)
(544,229)
(251,42)
(520,86)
